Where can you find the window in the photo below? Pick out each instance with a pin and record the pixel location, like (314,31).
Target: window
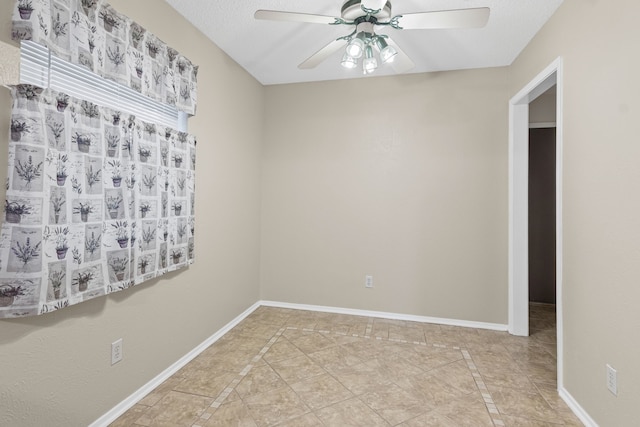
(41,68)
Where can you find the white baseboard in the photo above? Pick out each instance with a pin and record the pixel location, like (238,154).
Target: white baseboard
(386,315)
(576,408)
(136,396)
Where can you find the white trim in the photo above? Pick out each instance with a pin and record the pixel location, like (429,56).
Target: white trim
(559,222)
(518,258)
(518,205)
(576,408)
(540,125)
(137,395)
(386,315)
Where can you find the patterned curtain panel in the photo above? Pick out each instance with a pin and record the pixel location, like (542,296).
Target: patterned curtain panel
(97,201)
(92,34)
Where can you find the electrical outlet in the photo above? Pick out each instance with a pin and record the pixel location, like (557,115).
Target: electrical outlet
(368,281)
(612,380)
(116,351)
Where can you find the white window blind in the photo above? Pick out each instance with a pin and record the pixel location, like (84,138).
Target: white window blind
(39,67)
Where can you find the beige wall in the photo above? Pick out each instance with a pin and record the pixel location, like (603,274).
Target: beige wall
(598,43)
(403,178)
(55,369)
(542,110)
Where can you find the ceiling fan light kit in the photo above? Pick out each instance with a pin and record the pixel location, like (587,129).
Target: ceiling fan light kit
(370,63)
(365,15)
(356,46)
(348,61)
(387,53)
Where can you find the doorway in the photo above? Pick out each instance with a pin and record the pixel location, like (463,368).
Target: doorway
(542,208)
(519,203)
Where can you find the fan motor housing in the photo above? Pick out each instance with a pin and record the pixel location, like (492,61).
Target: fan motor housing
(351,10)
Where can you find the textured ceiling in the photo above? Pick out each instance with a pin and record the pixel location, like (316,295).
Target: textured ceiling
(271,51)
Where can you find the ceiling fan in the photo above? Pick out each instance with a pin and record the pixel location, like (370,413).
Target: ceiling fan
(365,15)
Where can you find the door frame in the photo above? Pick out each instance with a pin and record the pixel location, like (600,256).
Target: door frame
(519,203)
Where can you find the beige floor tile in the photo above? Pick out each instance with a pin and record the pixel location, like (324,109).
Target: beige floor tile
(550,393)
(430,419)
(439,386)
(406,333)
(357,329)
(363,348)
(281,350)
(295,333)
(271,315)
(348,319)
(352,413)
(361,378)
(433,328)
(550,348)
(497,377)
(312,342)
(130,417)
(394,404)
(380,330)
(257,328)
(259,380)
(237,339)
(453,330)
(533,353)
(175,409)
(307,420)
(468,410)
(215,361)
(321,391)
(494,355)
(524,404)
(542,320)
(392,348)
(308,323)
(457,374)
(335,356)
(343,325)
(540,372)
(275,406)
(230,414)
(429,357)
(205,383)
(161,391)
(297,369)
(160,422)
(569,418)
(232,397)
(235,361)
(302,319)
(396,367)
(318,365)
(511,421)
(478,341)
(446,338)
(515,343)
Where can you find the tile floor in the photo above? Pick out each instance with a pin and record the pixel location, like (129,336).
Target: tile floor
(299,368)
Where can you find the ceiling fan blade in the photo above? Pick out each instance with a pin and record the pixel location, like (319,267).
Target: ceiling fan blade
(461,18)
(373,4)
(323,54)
(275,15)
(401,63)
